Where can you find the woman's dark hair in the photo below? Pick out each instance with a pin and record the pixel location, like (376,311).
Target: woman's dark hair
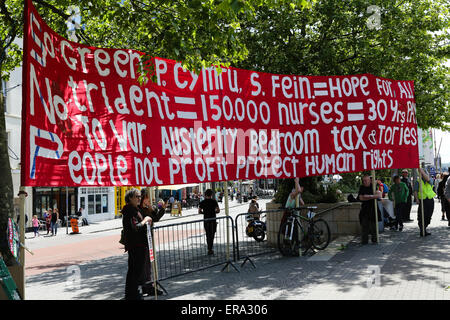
(208,193)
(144,194)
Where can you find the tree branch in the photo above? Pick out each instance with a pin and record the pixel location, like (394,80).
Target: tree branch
(53,8)
(11,36)
(63,15)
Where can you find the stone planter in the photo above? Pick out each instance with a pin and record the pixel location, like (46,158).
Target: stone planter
(343,220)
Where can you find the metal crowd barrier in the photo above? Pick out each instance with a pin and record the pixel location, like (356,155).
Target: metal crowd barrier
(181,248)
(247,246)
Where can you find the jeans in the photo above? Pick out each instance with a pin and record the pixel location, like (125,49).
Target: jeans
(54,227)
(400,210)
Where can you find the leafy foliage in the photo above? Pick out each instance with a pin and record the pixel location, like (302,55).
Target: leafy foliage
(335,38)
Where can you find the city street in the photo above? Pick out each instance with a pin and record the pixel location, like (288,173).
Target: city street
(93,266)
(96,241)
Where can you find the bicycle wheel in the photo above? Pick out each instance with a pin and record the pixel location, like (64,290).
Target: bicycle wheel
(288,240)
(320,234)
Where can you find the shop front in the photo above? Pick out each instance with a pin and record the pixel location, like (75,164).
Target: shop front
(54,198)
(98,203)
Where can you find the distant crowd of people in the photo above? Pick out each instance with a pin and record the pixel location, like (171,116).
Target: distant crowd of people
(402,193)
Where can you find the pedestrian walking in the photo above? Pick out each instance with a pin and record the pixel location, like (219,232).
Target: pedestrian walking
(441,196)
(35,222)
(155,213)
(209,208)
(136,244)
(406,180)
(367,212)
(54,221)
(427,195)
(399,194)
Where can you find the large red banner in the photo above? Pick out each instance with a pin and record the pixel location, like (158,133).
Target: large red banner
(87,121)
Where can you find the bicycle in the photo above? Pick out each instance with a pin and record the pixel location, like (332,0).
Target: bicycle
(290,240)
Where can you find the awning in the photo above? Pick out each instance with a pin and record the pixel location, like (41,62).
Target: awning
(178,186)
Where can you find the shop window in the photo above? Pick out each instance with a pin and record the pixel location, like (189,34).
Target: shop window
(98,203)
(105,203)
(91,204)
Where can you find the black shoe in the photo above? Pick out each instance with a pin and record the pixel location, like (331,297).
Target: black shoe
(151,291)
(210,252)
(427,234)
(400,229)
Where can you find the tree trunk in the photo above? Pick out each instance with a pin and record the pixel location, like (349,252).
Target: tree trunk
(6,186)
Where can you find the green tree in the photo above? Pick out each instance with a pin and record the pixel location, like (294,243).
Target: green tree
(335,37)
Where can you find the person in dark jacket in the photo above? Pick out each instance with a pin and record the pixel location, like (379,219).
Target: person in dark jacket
(155,213)
(440,193)
(136,243)
(209,208)
(405,179)
(367,212)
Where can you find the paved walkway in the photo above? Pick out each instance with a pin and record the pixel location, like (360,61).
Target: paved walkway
(402,266)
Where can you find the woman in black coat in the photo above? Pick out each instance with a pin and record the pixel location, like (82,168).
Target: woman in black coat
(135,234)
(155,213)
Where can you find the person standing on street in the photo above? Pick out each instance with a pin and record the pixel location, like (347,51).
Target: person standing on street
(36,224)
(291,202)
(171,201)
(405,179)
(398,193)
(48,220)
(54,222)
(441,196)
(427,195)
(209,208)
(366,215)
(447,197)
(136,243)
(155,213)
